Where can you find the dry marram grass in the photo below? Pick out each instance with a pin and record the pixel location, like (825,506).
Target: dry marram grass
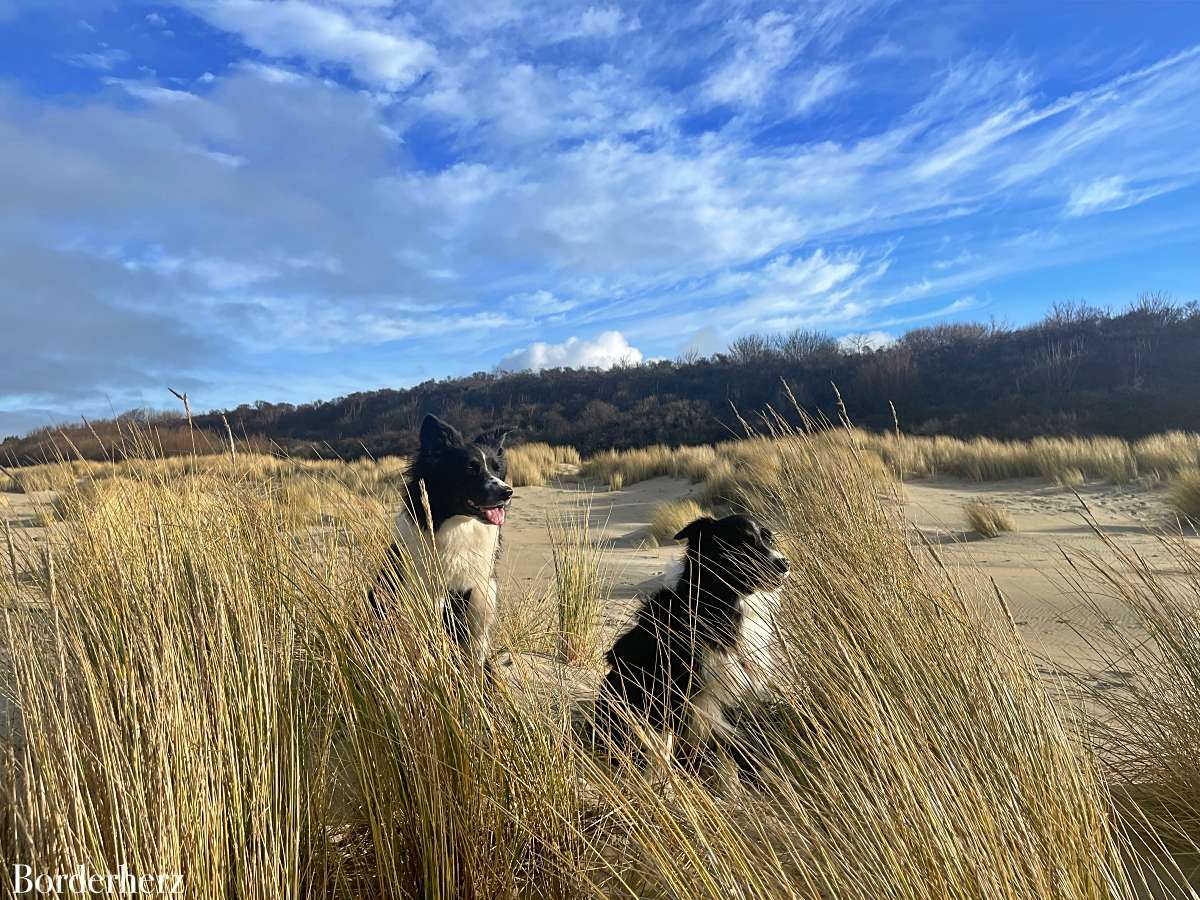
(1185,494)
(669,518)
(205,695)
(989,519)
(582,581)
(536,464)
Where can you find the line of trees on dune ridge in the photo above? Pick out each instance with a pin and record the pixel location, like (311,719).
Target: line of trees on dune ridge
(1079,371)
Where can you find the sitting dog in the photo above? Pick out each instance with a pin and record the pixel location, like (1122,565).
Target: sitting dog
(700,644)
(449,529)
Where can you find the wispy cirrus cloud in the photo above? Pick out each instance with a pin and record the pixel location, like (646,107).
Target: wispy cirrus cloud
(444,184)
(1114,193)
(103,59)
(375,47)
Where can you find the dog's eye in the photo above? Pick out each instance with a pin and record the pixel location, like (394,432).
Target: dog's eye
(767,536)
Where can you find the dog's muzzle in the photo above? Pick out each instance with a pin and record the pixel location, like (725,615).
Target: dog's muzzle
(494,512)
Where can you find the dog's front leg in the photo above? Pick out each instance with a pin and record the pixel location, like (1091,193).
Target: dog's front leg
(469,616)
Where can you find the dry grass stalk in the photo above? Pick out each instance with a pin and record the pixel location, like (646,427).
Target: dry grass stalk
(227,715)
(12,553)
(1149,719)
(51,579)
(916,750)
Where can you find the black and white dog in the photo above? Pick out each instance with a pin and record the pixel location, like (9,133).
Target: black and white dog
(702,642)
(456,540)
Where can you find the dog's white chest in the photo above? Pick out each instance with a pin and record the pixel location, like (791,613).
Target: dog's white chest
(467,549)
(460,559)
(757,639)
(729,676)
(462,553)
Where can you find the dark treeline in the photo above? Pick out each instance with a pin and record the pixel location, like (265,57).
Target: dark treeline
(1079,371)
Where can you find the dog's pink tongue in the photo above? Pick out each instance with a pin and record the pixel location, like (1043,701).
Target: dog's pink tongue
(495,515)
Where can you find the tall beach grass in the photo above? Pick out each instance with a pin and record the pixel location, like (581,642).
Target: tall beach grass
(204,692)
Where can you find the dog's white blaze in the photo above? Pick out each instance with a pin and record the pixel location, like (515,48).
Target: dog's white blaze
(463,558)
(494,480)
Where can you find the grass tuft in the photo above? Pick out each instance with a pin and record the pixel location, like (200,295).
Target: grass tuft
(1148,716)
(988,519)
(582,581)
(537,464)
(669,518)
(1185,494)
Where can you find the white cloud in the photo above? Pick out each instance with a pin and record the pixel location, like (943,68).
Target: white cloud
(1101,194)
(802,276)
(605,21)
(540,303)
(375,49)
(766,48)
(1113,193)
(510,175)
(150,93)
(104,60)
(219,274)
(231,160)
(517,105)
(605,351)
(819,86)
(271,74)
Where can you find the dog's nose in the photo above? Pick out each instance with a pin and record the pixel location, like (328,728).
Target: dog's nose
(506,492)
(781,564)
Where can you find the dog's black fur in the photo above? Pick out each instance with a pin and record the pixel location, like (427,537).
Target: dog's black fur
(456,493)
(691,634)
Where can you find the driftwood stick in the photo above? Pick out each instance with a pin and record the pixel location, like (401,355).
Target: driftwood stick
(187,411)
(229,431)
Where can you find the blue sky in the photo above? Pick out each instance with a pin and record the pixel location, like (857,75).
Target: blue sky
(294,199)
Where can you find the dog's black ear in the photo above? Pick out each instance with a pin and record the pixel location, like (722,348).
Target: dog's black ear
(692,531)
(436,434)
(494,437)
